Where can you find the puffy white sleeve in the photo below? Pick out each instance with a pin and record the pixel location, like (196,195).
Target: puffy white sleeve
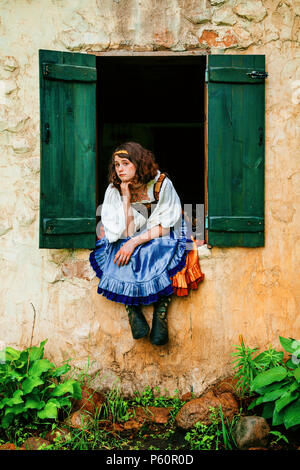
(168,209)
(113,216)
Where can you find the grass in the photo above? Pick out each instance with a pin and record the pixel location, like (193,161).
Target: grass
(152,397)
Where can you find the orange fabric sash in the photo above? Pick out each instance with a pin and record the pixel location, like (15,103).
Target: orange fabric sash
(190,276)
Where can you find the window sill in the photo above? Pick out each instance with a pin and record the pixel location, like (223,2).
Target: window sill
(204,251)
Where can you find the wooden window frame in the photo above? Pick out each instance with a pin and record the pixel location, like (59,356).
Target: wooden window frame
(121,53)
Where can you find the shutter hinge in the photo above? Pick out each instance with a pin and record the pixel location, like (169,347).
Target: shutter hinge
(45,69)
(257,74)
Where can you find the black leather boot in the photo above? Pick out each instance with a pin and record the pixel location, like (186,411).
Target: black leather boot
(137,321)
(159,332)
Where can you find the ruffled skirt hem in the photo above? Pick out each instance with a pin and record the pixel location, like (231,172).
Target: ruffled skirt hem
(131,293)
(190,276)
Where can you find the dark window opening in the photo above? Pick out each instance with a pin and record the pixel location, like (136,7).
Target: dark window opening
(158,102)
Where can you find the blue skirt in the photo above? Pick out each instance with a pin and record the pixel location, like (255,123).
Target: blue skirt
(146,277)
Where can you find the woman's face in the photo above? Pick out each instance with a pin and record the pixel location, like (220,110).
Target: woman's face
(125,169)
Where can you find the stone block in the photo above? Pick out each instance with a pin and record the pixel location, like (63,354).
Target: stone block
(251,11)
(224,16)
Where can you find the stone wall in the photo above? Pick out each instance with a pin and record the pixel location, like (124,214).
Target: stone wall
(250,291)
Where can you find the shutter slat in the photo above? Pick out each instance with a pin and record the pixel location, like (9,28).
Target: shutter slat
(68,226)
(235,75)
(236,224)
(69,72)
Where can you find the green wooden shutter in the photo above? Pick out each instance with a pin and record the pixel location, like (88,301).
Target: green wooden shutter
(236,129)
(68,149)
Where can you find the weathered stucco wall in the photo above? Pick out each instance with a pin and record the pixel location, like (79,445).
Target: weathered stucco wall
(250,291)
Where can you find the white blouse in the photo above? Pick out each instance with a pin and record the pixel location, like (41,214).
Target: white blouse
(166,213)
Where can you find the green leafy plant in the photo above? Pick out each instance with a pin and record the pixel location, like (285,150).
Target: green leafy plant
(279,437)
(31,386)
(248,365)
(245,367)
(152,397)
(212,436)
(145,398)
(227,430)
(279,388)
(116,407)
(201,437)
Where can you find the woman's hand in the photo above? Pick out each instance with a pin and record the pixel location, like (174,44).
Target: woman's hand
(125,188)
(125,252)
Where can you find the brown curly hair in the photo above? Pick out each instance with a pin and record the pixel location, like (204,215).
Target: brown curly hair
(143,159)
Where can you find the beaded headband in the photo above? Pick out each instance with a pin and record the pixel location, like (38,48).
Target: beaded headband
(120,151)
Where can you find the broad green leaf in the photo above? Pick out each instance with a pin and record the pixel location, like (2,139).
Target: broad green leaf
(292,415)
(288,344)
(17,394)
(40,366)
(61,389)
(287,398)
(254,403)
(7,420)
(8,355)
(274,395)
(268,410)
(14,400)
(55,401)
(275,374)
(12,375)
(50,411)
(16,409)
(24,356)
(297,374)
(65,401)
(283,385)
(30,383)
(76,391)
(52,385)
(12,354)
(61,370)
(36,404)
(19,364)
(277,417)
(35,352)
(3,403)
(294,386)
(291,364)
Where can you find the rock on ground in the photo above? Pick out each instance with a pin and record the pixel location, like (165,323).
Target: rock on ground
(155,414)
(150,414)
(91,401)
(35,443)
(198,409)
(79,420)
(251,431)
(8,446)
